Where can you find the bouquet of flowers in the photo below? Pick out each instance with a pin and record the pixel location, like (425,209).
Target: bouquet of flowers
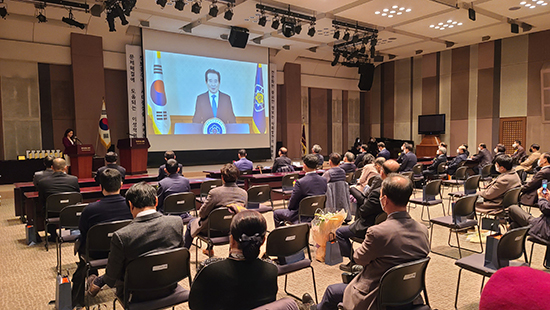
(322,225)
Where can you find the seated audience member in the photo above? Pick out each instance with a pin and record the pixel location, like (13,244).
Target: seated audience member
(372,147)
(241,281)
(316,150)
(368,209)
(173,184)
(110,162)
(385,246)
(529,191)
(527,164)
(310,185)
(441,157)
(382,151)
(348,165)
(401,154)
(48,163)
(519,152)
(500,149)
(359,157)
(168,155)
(409,159)
(335,173)
(457,161)
(540,226)
(369,170)
(243,164)
(220,196)
(112,207)
(494,192)
(148,232)
(443,144)
(282,163)
(483,157)
(466,149)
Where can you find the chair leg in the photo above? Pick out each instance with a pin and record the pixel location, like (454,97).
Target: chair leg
(531,255)
(458,244)
(431,234)
(314,285)
(480,240)
(482,284)
(457,287)
(114,304)
(47,244)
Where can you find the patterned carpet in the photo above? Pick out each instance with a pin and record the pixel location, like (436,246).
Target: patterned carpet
(27,277)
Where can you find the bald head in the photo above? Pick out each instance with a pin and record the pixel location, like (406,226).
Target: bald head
(59,164)
(282,151)
(389,166)
(395,192)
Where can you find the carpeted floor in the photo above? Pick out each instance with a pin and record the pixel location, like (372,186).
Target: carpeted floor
(27,276)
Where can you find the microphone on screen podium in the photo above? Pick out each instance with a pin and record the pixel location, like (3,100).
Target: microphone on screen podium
(76,139)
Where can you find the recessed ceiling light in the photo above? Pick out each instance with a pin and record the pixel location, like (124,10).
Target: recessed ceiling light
(540,2)
(532,7)
(394,7)
(377,12)
(436,27)
(390,16)
(459,24)
(384,14)
(454,23)
(441,28)
(451,26)
(431,26)
(522,2)
(399,13)
(385,10)
(392,12)
(450,21)
(544,4)
(408,10)
(401,9)
(440,24)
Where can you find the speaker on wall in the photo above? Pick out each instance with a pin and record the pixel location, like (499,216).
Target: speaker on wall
(366,72)
(238,37)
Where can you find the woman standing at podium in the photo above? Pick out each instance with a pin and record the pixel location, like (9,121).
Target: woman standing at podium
(68,141)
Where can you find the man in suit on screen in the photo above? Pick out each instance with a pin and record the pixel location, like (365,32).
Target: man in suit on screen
(213,103)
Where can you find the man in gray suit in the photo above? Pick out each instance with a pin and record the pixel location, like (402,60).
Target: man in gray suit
(397,240)
(149,232)
(48,163)
(213,103)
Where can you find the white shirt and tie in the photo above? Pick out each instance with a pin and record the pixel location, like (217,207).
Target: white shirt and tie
(214,100)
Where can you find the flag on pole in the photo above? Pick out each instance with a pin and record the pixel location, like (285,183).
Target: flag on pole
(303,141)
(258,114)
(161,118)
(104,132)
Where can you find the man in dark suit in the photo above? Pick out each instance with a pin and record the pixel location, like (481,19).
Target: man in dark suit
(519,152)
(335,173)
(529,190)
(385,246)
(500,149)
(366,215)
(112,207)
(282,163)
(456,162)
(382,151)
(162,169)
(110,162)
(348,165)
(540,226)
(316,149)
(213,103)
(409,159)
(243,164)
(483,157)
(48,163)
(149,232)
(359,159)
(172,184)
(440,158)
(310,185)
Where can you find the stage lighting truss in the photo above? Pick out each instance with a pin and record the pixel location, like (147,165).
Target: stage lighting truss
(363,50)
(72,22)
(41,12)
(291,22)
(196,7)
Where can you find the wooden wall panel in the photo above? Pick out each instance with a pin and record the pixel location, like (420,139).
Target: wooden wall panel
(318,117)
(116,102)
(345,121)
(388,99)
(430,83)
(365,114)
(460,83)
(62,103)
(292,109)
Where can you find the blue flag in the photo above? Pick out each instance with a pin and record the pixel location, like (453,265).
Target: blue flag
(258,114)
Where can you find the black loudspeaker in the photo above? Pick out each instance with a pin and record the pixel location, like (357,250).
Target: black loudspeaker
(367,75)
(238,37)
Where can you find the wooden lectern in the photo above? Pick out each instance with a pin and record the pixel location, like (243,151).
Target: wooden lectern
(81,159)
(133,154)
(428,146)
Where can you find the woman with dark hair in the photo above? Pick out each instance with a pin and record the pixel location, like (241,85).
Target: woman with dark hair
(241,281)
(68,139)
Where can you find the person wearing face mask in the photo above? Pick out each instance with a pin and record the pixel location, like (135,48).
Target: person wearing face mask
(455,163)
(441,157)
(519,152)
(401,154)
(529,191)
(540,226)
(527,164)
(483,157)
(409,159)
(500,149)
(491,197)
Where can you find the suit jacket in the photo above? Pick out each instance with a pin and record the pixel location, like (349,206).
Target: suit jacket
(311,184)
(494,192)
(529,191)
(540,226)
(120,169)
(279,162)
(484,157)
(335,174)
(397,240)
(162,173)
(384,153)
(321,160)
(244,164)
(359,160)
(39,175)
(57,182)
(438,160)
(220,196)
(528,163)
(368,211)
(518,154)
(203,109)
(348,167)
(108,209)
(454,164)
(172,184)
(144,235)
(68,142)
(409,160)
(493,170)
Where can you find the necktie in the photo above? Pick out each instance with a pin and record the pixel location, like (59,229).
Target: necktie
(214,105)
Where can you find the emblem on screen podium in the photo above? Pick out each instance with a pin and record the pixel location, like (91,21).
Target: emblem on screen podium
(213,126)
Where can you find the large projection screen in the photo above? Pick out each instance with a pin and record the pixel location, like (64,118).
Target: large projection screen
(201,94)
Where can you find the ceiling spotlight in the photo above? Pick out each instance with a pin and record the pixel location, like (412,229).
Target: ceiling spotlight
(229,13)
(311,31)
(372,51)
(288,27)
(472,14)
(111,21)
(275,23)
(514,28)
(3,12)
(355,38)
(298,29)
(262,21)
(336,59)
(213,10)
(162,3)
(362,49)
(336,34)
(71,21)
(117,10)
(196,7)
(354,54)
(346,36)
(128,6)
(179,4)
(41,18)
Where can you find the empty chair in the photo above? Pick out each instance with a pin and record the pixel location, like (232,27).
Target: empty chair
(417,173)
(486,176)
(510,247)
(156,275)
(287,186)
(538,240)
(206,186)
(69,218)
(522,175)
(462,217)
(180,203)
(459,178)
(288,241)
(54,204)
(309,205)
(441,174)
(402,284)
(219,223)
(470,187)
(257,196)
(430,192)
